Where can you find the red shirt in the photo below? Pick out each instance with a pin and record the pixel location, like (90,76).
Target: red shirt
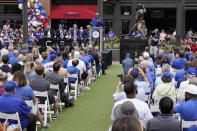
(193,47)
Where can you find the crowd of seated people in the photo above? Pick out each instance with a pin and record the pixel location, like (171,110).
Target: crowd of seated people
(161,89)
(26,70)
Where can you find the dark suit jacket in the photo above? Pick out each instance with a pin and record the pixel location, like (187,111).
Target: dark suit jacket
(85,33)
(58,32)
(95,56)
(77,32)
(51,31)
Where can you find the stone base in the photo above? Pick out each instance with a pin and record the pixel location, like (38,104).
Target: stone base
(131,46)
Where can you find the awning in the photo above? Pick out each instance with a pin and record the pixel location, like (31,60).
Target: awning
(73,12)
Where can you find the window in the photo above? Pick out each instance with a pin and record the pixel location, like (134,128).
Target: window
(107,25)
(125,26)
(9,9)
(108,9)
(126,10)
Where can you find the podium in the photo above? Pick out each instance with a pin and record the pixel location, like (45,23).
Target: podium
(131,46)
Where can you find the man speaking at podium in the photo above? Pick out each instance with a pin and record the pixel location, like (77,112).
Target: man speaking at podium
(97,21)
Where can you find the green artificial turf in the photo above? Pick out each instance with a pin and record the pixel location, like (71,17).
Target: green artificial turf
(92,111)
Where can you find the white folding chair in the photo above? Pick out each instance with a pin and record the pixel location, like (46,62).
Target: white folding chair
(14,116)
(31,104)
(187,124)
(74,86)
(56,87)
(67,85)
(45,106)
(155,108)
(147,97)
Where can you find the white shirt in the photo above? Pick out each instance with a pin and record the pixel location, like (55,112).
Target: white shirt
(141,107)
(4,51)
(181,90)
(49,66)
(122,95)
(81,66)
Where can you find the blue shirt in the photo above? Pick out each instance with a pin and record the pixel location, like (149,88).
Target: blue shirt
(45,61)
(153,43)
(142,84)
(65,64)
(187,110)
(95,24)
(127,64)
(13,60)
(179,63)
(89,58)
(25,93)
(180,76)
(13,104)
(30,75)
(73,70)
(85,61)
(193,128)
(10,55)
(110,35)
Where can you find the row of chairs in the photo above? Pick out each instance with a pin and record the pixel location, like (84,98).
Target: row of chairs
(46,106)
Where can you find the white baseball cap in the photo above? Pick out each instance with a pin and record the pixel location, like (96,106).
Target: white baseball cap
(146,55)
(192,89)
(76,54)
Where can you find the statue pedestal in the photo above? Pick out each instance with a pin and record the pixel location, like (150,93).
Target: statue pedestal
(132,45)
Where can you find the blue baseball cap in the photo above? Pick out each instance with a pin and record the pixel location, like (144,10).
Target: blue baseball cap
(3,45)
(128,55)
(191,71)
(10,86)
(187,53)
(191,57)
(135,73)
(52,52)
(53,56)
(167,75)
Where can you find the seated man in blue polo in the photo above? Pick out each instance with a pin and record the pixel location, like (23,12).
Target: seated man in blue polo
(188,108)
(180,76)
(111,35)
(9,103)
(127,63)
(73,70)
(179,62)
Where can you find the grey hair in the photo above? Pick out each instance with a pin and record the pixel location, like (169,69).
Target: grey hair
(166,68)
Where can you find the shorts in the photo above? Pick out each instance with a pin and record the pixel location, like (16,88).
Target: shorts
(51,99)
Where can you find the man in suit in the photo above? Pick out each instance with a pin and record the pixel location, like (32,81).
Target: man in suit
(49,34)
(75,35)
(60,33)
(97,21)
(86,35)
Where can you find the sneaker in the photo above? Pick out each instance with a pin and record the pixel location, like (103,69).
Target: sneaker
(45,127)
(85,88)
(81,94)
(55,117)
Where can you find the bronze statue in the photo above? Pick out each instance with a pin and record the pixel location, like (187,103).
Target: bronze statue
(140,26)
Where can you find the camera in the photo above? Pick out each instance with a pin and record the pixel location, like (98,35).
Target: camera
(153,34)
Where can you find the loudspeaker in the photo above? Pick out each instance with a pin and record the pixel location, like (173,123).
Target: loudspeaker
(132,46)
